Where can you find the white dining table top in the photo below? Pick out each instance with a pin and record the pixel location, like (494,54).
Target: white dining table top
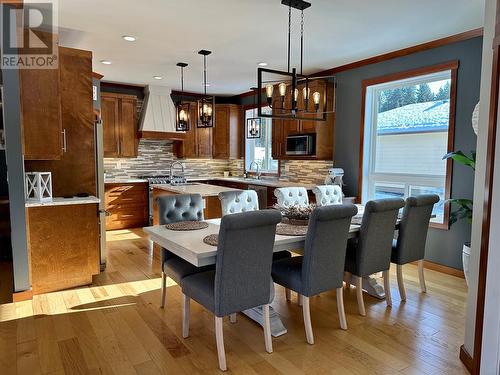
(189,245)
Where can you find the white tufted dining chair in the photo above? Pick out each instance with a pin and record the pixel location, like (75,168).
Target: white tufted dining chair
(291,196)
(328,194)
(234,202)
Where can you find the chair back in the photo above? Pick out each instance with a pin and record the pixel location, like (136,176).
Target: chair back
(244,258)
(325,248)
(291,196)
(179,207)
(328,194)
(373,253)
(413,228)
(234,202)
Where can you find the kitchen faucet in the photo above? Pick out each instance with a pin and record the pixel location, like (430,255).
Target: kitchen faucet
(257,169)
(173,179)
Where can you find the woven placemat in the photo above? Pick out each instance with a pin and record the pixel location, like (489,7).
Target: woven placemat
(291,230)
(211,239)
(187,225)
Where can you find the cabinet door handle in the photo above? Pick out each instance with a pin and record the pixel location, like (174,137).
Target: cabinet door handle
(65,142)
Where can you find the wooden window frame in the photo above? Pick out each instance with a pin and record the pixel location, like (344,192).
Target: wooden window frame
(453,67)
(243,114)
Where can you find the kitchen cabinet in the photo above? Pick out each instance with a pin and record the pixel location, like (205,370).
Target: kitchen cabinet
(41,114)
(197,142)
(75,171)
(119,121)
(63,243)
(127,205)
(324,130)
(227,133)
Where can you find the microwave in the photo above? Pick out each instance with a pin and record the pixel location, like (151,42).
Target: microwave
(301,144)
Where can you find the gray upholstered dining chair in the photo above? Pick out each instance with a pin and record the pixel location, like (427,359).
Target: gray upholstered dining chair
(172,209)
(241,279)
(410,245)
(233,202)
(328,194)
(291,196)
(322,266)
(371,251)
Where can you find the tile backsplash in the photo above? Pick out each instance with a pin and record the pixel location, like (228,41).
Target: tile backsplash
(155,156)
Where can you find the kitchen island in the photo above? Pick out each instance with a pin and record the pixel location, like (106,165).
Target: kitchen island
(209,193)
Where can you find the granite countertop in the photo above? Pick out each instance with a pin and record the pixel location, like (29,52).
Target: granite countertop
(124,180)
(270,182)
(64,202)
(205,190)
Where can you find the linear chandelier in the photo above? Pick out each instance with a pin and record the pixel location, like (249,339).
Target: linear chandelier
(293,95)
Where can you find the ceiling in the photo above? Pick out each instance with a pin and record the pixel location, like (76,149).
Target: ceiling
(242,33)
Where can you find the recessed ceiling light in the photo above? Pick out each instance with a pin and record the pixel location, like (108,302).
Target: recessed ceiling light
(106,62)
(158,77)
(262,64)
(207,84)
(129,38)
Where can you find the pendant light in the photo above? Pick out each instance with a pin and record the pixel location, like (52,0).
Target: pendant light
(182,122)
(289,96)
(254,124)
(206,104)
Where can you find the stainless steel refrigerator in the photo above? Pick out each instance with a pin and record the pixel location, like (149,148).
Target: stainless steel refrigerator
(99,156)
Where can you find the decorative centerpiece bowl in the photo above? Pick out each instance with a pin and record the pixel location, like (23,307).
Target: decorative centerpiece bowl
(296,215)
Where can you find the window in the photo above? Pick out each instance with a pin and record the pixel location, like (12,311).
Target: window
(407,131)
(259,150)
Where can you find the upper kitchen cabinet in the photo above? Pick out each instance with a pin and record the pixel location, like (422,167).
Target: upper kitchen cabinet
(43,135)
(227,131)
(75,171)
(197,142)
(323,130)
(119,121)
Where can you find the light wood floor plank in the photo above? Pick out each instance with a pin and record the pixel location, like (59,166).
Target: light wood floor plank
(115,326)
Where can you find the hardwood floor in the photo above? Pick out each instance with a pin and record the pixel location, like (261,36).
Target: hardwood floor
(115,326)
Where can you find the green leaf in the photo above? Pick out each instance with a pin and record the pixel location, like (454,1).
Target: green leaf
(461,158)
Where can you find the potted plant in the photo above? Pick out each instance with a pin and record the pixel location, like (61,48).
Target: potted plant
(464,206)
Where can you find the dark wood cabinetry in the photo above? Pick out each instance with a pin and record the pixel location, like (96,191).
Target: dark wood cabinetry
(74,172)
(127,205)
(223,141)
(227,132)
(41,114)
(324,130)
(119,120)
(63,246)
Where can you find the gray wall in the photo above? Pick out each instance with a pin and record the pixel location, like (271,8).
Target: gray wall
(443,247)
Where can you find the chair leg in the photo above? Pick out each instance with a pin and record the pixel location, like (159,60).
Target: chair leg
(401,283)
(307,320)
(359,295)
(219,338)
(387,288)
(163,288)
(267,329)
(232,318)
(299,296)
(288,294)
(340,308)
(423,288)
(347,279)
(185,315)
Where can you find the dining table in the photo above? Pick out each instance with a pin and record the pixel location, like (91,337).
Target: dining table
(189,245)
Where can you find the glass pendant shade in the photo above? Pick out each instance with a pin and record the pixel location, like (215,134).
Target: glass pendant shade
(182,120)
(205,112)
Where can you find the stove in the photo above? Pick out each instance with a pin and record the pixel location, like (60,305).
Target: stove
(154,180)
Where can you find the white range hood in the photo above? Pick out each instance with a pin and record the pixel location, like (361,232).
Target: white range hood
(158,114)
